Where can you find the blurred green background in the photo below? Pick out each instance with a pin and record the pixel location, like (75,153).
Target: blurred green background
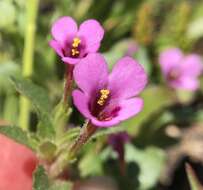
(168,132)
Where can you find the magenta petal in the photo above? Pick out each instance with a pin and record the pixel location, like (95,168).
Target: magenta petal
(127,79)
(93,48)
(128,109)
(70,60)
(192,66)
(64,28)
(93,33)
(80,100)
(170,58)
(56,46)
(99,123)
(91,73)
(187,83)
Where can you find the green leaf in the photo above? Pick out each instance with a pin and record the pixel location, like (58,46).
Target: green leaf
(69,135)
(7,14)
(194,184)
(7,69)
(40,181)
(18,135)
(108,131)
(11,108)
(41,103)
(61,115)
(87,168)
(61,185)
(142,56)
(48,150)
(150,161)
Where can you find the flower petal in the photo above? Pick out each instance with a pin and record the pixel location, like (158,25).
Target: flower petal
(170,58)
(188,83)
(109,123)
(127,79)
(80,100)
(91,73)
(93,33)
(192,66)
(70,60)
(128,109)
(56,46)
(63,28)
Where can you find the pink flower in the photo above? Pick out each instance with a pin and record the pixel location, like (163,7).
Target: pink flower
(181,71)
(73,44)
(107,99)
(16,165)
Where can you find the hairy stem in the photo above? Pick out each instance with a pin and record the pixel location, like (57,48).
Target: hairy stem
(68,83)
(65,157)
(27,67)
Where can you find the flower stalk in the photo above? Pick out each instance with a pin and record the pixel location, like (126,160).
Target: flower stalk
(86,133)
(66,157)
(27,67)
(68,83)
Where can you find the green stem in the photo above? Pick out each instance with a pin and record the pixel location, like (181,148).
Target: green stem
(66,157)
(27,67)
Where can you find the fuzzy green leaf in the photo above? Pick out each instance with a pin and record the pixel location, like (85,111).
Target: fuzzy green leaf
(69,135)
(18,135)
(108,131)
(61,115)
(7,69)
(150,161)
(87,168)
(39,99)
(61,185)
(47,150)
(41,181)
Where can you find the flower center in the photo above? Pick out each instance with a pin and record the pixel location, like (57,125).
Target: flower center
(173,74)
(104,94)
(75,47)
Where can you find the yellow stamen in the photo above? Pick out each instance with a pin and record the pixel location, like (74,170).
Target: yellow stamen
(75,52)
(75,45)
(76,42)
(104,95)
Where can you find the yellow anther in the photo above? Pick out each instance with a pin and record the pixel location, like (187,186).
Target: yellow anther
(75,45)
(75,52)
(104,95)
(76,42)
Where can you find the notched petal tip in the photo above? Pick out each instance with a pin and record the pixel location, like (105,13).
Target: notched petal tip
(64,28)
(93,33)
(129,74)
